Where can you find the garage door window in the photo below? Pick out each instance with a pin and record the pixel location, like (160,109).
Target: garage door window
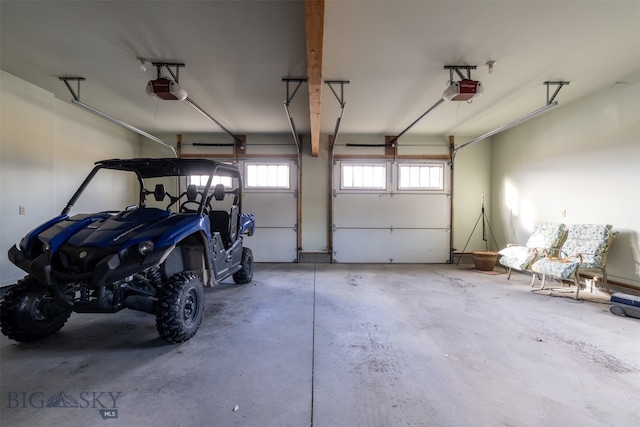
(363,177)
(421,177)
(269,175)
(200,181)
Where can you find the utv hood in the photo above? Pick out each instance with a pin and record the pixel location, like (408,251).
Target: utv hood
(119,229)
(103,230)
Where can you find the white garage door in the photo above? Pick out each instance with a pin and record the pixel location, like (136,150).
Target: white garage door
(271,195)
(391,213)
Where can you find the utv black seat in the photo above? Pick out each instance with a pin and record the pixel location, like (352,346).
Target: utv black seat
(159,192)
(192,192)
(220,222)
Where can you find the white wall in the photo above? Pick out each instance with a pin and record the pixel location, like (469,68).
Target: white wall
(47,146)
(472,183)
(315,197)
(582,158)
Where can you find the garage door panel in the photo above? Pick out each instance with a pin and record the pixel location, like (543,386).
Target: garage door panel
(272,245)
(391,245)
(420,246)
(271,209)
(354,210)
(275,237)
(420,211)
(361,245)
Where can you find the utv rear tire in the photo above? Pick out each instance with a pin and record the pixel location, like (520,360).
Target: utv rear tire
(29,312)
(245,274)
(180,307)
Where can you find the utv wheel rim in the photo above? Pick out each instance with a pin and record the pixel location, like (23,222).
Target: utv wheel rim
(191,307)
(36,313)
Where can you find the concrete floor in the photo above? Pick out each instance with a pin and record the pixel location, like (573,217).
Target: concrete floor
(341,345)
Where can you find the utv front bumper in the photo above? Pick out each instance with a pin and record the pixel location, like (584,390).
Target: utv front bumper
(39,268)
(111,268)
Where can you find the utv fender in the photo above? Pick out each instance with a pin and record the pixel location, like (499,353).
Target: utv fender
(189,226)
(191,254)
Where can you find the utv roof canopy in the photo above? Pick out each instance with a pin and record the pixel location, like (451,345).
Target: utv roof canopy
(159,167)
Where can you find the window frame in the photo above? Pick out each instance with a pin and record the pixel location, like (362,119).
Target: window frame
(248,163)
(443,178)
(381,164)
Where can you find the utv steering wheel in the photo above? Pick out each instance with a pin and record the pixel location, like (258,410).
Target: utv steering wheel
(187,207)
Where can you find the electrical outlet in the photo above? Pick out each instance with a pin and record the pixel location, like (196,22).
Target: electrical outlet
(564,213)
(22,210)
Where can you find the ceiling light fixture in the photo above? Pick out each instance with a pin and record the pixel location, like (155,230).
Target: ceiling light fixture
(489,65)
(143,63)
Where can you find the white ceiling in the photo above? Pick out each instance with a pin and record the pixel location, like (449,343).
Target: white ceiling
(392,52)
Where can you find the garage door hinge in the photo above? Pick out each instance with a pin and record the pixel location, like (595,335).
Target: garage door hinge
(295,194)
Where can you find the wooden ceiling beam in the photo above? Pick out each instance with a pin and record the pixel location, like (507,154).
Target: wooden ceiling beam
(314,24)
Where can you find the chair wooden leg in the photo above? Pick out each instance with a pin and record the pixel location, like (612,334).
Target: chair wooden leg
(533,279)
(576,279)
(509,276)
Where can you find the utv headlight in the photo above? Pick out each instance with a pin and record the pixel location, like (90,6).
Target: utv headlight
(145,247)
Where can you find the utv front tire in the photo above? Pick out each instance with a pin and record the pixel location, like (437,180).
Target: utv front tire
(180,307)
(29,312)
(245,274)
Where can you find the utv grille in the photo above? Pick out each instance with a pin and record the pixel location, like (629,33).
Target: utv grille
(80,260)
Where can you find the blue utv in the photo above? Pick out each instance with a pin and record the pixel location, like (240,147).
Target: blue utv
(184,230)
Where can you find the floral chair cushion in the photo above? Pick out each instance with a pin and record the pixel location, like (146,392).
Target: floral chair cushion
(545,236)
(560,268)
(517,257)
(589,241)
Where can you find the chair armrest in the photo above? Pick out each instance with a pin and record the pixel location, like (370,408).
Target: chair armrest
(544,252)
